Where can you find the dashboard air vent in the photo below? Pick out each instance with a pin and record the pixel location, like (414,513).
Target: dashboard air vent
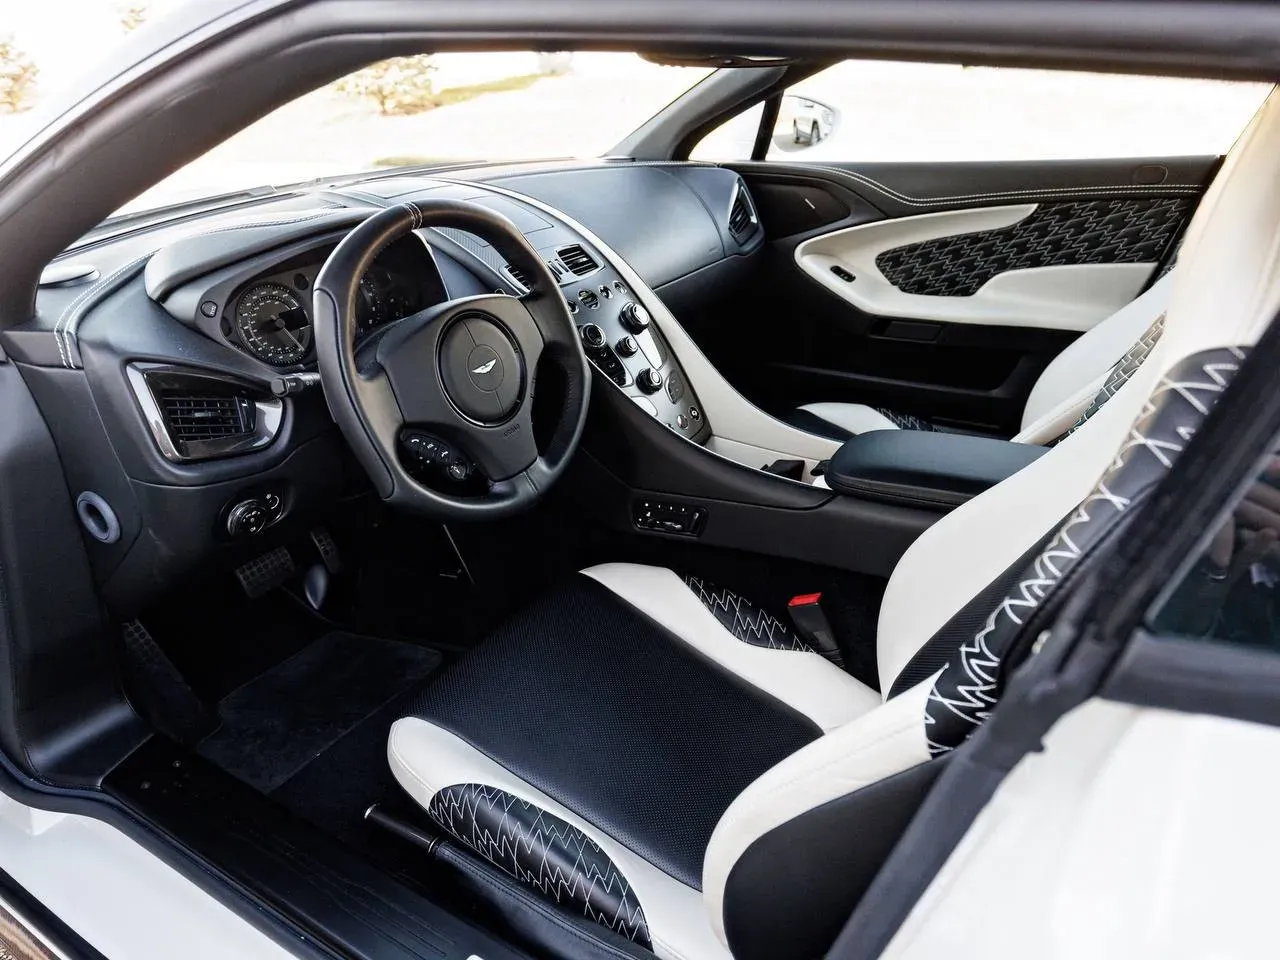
(194,417)
(519,276)
(577,260)
(199,415)
(742,214)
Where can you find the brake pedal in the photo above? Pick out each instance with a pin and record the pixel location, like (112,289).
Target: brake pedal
(271,570)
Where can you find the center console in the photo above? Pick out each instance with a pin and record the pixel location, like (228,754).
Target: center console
(625,346)
(926,469)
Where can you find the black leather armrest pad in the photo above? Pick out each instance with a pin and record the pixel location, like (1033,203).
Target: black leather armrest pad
(924,467)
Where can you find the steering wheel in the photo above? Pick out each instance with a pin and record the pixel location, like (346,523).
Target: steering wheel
(460,377)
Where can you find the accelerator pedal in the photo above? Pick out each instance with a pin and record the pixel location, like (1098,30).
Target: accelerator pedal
(328,550)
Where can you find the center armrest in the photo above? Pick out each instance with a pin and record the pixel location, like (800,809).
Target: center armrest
(923,468)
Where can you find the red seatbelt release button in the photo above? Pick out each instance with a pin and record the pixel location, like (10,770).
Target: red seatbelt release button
(812,625)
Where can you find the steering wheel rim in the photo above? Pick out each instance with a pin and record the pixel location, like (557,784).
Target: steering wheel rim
(464,371)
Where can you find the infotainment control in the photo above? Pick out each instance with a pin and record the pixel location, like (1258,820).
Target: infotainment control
(624,344)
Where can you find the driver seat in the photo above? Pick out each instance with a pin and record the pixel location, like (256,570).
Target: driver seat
(645,760)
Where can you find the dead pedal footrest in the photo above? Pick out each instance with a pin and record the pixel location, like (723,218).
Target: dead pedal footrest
(265,573)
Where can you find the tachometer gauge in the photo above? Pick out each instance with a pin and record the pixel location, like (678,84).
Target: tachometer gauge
(273,325)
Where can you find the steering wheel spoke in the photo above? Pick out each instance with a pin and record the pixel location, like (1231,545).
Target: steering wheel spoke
(462,371)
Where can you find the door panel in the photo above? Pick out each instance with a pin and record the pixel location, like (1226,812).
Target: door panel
(967,278)
(1024,265)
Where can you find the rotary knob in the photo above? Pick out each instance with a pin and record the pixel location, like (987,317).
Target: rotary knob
(248,518)
(635,317)
(650,380)
(593,337)
(627,346)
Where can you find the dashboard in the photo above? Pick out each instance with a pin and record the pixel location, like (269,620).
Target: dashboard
(177,371)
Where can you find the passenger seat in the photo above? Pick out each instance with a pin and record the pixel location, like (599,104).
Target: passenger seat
(1072,387)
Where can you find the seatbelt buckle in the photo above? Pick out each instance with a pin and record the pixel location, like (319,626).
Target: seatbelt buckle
(812,624)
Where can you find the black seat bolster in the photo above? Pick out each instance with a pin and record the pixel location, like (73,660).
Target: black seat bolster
(929,469)
(817,866)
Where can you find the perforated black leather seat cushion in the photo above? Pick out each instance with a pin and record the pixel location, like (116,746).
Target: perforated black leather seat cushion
(597,706)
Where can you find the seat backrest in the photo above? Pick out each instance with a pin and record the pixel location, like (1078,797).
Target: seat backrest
(805,839)
(1094,367)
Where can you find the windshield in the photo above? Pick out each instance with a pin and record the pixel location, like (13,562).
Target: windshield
(407,111)
(437,108)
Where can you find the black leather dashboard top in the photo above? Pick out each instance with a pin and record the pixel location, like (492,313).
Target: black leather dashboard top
(666,221)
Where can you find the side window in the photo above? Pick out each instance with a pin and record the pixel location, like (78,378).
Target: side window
(1231,592)
(868,111)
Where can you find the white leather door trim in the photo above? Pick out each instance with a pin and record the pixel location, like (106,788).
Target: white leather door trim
(1060,298)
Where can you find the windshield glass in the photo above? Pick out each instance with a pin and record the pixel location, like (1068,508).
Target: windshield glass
(437,108)
(407,111)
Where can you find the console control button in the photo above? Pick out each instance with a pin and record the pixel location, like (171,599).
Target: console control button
(675,387)
(682,421)
(635,317)
(606,291)
(662,516)
(695,414)
(650,380)
(627,346)
(593,337)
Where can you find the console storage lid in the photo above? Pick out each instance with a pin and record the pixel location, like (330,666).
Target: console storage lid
(925,469)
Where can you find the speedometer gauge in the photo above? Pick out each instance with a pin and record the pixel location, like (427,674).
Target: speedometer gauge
(273,325)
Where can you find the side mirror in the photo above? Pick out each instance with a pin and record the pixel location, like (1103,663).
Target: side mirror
(803,123)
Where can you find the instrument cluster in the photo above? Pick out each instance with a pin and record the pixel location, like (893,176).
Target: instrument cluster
(271,314)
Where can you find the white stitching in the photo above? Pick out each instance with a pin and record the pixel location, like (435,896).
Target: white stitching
(1048,192)
(63,330)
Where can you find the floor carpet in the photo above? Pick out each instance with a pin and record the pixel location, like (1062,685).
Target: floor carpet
(281,721)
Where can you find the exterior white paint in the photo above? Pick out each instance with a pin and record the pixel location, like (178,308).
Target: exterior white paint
(1137,833)
(123,900)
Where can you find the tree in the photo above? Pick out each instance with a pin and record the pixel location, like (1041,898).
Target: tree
(18,74)
(398,86)
(133,15)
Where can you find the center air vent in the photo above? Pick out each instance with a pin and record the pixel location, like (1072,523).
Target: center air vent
(200,416)
(577,260)
(742,214)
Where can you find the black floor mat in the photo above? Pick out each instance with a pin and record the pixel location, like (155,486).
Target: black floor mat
(276,724)
(335,789)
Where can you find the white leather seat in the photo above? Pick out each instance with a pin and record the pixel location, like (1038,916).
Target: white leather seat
(660,760)
(1098,361)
